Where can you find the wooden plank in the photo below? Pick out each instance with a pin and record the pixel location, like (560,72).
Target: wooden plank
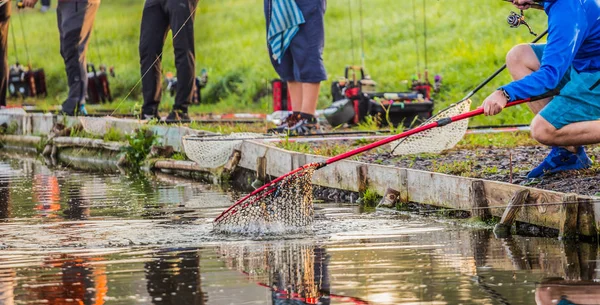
(62,142)
(233,161)
(250,151)
(41,123)
(510,213)
(179,165)
(478,198)
(362,171)
(261,169)
(280,161)
(542,209)
(390,198)
(439,189)
(568,217)
(586,222)
(383,177)
(340,175)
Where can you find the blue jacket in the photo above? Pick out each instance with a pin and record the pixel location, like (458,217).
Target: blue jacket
(573,40)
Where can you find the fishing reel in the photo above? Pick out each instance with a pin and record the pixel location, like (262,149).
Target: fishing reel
(199,83)
(516,20)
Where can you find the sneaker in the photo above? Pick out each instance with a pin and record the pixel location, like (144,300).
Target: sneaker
(149,117)
(44,8)
(560,159)
(304,127)
(82,110)
(177,116)
(291,120)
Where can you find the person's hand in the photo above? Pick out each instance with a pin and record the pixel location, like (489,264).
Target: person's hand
(523,4)
(29,3)
(494,103)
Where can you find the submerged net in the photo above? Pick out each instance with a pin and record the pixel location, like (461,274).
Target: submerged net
(282,207)
(438,139)
(214,151)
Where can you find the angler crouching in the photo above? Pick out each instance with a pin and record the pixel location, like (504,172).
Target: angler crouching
(569,61)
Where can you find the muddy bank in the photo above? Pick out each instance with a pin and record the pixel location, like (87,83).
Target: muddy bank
(500,164)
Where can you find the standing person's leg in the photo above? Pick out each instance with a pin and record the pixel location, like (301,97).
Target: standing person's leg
(295,89)
(309,70)
(76,20)
(4,23)
(154,29)
(45,6)
(285,69)
(181,16)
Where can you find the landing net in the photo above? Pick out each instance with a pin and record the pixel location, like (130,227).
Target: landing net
(281,207)
(99,126)
(435,140)
(214,151)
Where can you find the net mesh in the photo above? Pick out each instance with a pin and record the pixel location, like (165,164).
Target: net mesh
(438,139)
(283,207)
(214,151)
(99,126)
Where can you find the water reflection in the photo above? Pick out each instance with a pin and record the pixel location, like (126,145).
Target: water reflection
(563,292)
(4,198)
(81,282)
(295,273)
(73,237)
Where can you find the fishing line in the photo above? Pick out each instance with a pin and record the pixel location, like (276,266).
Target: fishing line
(416,38)
(24,38)
(425,37)
(14,39)
(362,35)
(351,32)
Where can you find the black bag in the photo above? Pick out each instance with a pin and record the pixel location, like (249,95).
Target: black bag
(98,85)
(25,83)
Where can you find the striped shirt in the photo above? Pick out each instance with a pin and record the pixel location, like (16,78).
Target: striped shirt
(283,25)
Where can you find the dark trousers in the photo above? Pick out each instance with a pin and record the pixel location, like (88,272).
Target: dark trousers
(158,17)
(4,21)
(46,2)
(75,21)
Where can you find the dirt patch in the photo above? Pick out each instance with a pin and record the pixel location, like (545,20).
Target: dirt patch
(500,164)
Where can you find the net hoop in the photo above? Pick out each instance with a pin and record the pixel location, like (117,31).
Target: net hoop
(99,126)
(214,151)
(438,139)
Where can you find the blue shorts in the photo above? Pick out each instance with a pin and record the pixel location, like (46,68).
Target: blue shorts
(578,100)
(303,60)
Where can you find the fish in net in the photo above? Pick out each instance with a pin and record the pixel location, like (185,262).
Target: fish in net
(435,140)
(285,205)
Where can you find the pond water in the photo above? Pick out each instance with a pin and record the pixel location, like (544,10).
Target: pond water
(69,237)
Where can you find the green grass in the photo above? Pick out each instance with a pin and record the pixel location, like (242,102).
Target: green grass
(466,42)
(114,135)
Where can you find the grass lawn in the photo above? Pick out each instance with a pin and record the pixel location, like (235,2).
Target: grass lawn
(466,42)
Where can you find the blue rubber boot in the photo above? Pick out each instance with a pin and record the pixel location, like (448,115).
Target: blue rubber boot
(560,159)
